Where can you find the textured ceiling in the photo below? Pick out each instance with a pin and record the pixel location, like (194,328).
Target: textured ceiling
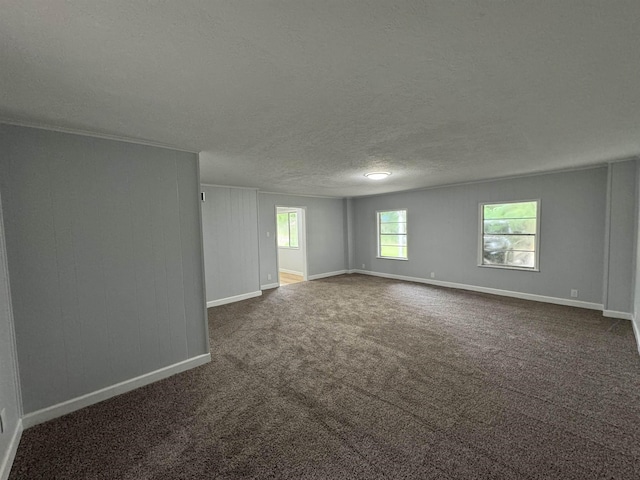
(306,96)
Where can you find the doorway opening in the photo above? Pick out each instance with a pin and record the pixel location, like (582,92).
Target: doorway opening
(291,245)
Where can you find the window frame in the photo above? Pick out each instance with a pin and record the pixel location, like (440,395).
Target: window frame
(288,213)
(536,267)
(406,214)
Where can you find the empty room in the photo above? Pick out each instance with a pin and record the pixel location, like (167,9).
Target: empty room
(319,240)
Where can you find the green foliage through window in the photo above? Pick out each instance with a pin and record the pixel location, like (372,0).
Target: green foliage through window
(509,232)
(392,234)
(288,230)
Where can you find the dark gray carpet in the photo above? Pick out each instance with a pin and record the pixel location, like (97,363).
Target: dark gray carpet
(361,377)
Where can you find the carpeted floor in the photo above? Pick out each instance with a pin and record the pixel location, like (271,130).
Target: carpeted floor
(367,378)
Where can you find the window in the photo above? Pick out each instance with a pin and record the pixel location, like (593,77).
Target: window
(392,234)
(509,235)
(288,230)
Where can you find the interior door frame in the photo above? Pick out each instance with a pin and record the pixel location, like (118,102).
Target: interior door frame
(302,239)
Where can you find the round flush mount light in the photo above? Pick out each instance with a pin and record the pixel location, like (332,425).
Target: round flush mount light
(377,175)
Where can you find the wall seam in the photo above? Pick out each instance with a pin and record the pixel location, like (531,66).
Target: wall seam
(607,238)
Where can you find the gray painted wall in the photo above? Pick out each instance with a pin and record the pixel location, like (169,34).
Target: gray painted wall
(9,390)
(325,233)
(621,236)
(636,263)
(105,258)
(349,226)
(230,236)
(443,233)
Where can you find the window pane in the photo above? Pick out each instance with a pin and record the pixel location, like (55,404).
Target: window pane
(509,258)
(283,229)
(399,240)
(520,259)
(527,225)
(390,251)
(493,257)
(392,240)
(393,228)
(293,230)
(497,226)
(510,226)
(511,210)
(523,242)
(495,243)
(393,216)
(509,234)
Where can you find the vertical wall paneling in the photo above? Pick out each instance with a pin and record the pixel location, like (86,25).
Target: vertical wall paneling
(9,387)
(229,219)
(636,282)
(192,255)
(348,228)
(104,254)
(620,237)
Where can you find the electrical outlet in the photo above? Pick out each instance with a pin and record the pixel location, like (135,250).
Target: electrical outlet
(363,265)
(574,293)
(268,234)
(433,274)
(2,420)
(268,276)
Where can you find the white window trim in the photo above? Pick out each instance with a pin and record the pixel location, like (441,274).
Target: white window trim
(378,233)
(481,243)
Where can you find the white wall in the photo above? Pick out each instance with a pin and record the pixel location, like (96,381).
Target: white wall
(443,233)
(230,231)
(291,260)
(9,389)
(105,260)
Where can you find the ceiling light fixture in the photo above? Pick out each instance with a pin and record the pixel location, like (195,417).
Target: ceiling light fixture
(377,175)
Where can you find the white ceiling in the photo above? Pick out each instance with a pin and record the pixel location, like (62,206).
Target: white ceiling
(306,96)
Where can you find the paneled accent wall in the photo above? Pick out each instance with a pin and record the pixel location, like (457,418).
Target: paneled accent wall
(105,258)
(9,390)
(620,241)
(230,231)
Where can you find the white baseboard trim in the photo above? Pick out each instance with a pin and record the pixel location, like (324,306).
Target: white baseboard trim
(292,272)
(493,291)
(616,314)
(636,330)
(235,298)
(10,455)
(269,286)
(327,274)
(54,411)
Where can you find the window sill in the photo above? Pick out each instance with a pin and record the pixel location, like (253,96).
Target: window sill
(393,258)
(505,267)
(290,248)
